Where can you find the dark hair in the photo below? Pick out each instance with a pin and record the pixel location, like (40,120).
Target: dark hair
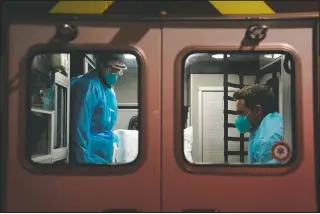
(134,123)
(105,57)
(257,94)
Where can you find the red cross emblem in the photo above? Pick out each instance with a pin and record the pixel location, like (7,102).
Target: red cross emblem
(281,151)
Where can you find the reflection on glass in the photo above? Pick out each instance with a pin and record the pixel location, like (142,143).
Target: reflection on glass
(233,126)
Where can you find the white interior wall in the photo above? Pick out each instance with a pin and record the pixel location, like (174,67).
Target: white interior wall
(127,87)
(127,94)
(124,116)
(213,80)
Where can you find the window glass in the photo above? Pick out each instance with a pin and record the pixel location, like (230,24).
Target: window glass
(238,108)
(83,108)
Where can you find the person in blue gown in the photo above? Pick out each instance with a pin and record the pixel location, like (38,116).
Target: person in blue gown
(256,109)
(94,111)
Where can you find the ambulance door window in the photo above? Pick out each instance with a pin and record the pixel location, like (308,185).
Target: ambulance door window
(81,108)
(238,108)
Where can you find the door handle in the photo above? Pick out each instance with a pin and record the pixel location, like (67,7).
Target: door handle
(120,211)
(201,211)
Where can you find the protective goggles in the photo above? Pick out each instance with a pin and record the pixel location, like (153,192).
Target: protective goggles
(116,68)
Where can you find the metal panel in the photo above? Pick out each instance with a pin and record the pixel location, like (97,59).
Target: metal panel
(95,193)
(182,188)
(124,118)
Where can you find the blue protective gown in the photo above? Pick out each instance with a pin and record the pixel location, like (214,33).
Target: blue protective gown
(93,115)
(263,138)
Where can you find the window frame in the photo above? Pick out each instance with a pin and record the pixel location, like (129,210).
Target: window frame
(235,169)
(81,169)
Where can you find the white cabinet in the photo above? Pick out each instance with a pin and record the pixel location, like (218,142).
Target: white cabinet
(44,148)
(55,145)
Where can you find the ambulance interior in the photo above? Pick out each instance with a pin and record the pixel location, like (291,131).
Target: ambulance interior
(50,104)
(210,79)
(208,139)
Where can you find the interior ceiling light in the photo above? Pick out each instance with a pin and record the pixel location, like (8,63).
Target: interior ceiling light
(219,56)
(272,56)
(129,56)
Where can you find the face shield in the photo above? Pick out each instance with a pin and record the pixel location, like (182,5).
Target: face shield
(116,67)
(113,70)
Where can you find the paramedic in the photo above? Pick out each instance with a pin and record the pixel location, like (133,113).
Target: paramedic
(94,112)
(256,109)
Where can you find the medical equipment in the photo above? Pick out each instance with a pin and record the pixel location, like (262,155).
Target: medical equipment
(128,146)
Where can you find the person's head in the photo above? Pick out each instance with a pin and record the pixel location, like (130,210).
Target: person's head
(253,103)
(110,67)
(134,123)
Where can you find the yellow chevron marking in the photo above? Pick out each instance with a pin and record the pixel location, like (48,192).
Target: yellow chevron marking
(81,7)
(242,7)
